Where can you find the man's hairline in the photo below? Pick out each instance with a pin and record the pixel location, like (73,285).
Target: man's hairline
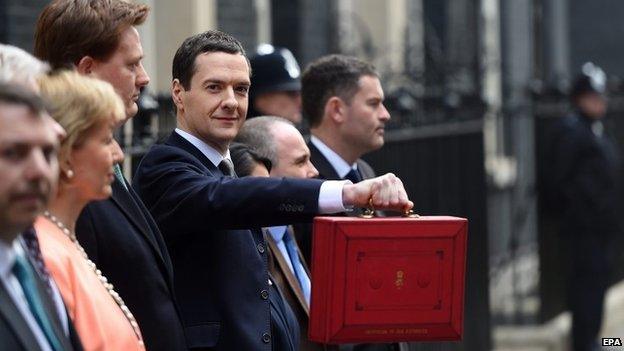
(108,56)
(348,100)
(194,65)
(285,122)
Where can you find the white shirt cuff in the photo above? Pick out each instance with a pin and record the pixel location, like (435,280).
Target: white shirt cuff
(330,196)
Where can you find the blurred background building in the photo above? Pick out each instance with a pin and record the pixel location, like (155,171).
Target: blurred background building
(472,85)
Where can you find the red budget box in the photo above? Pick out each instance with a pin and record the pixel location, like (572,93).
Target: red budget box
(387,279)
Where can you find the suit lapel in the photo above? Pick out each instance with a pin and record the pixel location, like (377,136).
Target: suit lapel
(287,273)
(123,199)
(16,321)
(326,170)
(176,140)
(157,239)
(128,206)
(365,169)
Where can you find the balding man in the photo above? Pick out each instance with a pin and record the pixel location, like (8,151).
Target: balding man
(278,140)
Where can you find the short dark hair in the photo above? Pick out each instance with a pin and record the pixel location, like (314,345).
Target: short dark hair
(245,159)
(14,94)
(68,30)
(183,66)
(328,76)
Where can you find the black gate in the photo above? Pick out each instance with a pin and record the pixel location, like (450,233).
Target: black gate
(442,167)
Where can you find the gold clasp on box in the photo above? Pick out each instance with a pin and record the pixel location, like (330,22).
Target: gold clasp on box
(369,212)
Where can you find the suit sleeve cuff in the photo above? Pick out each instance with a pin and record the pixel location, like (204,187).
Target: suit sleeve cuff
(330,196)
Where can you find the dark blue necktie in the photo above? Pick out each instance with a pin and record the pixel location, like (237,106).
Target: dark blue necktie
(26,278)
(354,176)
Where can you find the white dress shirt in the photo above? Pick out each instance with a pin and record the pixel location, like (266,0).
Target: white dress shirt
(330,194)
(8,253)
(341,166)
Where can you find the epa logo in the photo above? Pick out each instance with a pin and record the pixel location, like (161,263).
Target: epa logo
(611,342)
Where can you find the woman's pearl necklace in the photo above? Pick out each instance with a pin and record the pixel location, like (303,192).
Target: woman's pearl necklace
(108,286)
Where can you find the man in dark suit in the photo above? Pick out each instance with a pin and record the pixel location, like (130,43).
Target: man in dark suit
(284,327)
(278,140)
(210,219)
(342,101)
(29,319)
(22,69)
(118,234)
(583,170)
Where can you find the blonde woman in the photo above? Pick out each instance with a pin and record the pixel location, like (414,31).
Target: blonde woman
(89,110)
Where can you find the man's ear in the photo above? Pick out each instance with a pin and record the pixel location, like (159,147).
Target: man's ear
(86,65)
(335,109)
(177,94)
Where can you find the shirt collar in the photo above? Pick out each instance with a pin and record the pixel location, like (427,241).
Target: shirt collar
(340,165)
(7,257)
(277,232)
(211,153)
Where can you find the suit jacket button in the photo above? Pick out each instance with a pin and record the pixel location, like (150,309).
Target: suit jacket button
(264,294)
(260,248)
(266,338)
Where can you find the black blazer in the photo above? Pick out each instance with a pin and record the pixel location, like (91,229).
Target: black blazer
(220,264)
(584,170)
(289,286)
(15,334)
(121,237)
(285,335)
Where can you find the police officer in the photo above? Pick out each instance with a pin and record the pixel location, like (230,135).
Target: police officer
(584,168)
(275,84)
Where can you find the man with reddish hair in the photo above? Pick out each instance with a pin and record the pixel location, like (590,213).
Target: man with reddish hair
(99,38)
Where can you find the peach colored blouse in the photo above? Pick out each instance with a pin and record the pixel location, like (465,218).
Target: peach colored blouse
(98,319)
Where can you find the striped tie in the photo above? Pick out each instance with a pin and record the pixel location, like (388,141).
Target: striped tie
(227,168)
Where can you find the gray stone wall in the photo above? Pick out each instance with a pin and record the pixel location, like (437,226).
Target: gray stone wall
(238,18)
(305,27)
(17,21)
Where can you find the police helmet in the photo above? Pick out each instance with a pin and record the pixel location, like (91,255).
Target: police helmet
(592,79)
(274,69)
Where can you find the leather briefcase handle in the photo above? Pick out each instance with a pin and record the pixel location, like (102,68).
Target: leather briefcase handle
(369,212)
